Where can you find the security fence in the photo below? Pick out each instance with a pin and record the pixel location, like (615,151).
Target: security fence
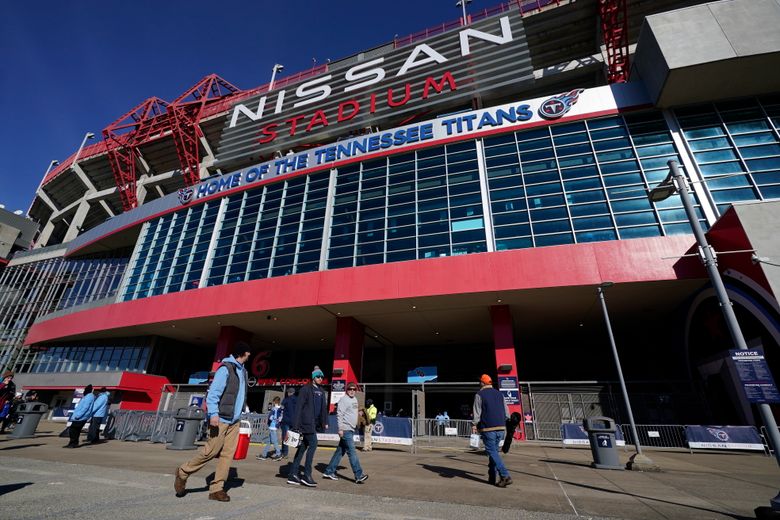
(127,425)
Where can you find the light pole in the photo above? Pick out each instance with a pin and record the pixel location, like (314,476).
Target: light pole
(88,135)
(52,164)
(277,68)
(675,183)
(638,461)
(462,5)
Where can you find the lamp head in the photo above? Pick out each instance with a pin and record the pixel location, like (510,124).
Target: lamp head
(55,162)
(90,135)
(604,285)
(278,67)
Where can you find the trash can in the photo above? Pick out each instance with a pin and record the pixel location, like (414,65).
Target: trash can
(188,422)
(28,417)
(601,433)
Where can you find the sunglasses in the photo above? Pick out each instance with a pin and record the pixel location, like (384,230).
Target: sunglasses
(351,389)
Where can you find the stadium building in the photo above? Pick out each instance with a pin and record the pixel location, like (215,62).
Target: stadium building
(452,200)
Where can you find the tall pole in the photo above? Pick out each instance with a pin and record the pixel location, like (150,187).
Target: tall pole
(88,135)
(709,261)
(462,4)
(276,69)
(619,369)
(52,164)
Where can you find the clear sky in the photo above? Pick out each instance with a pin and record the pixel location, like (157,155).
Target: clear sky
(71,67)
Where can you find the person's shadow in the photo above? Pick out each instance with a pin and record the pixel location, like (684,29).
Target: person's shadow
(446,472)
(232,481)
(8,488)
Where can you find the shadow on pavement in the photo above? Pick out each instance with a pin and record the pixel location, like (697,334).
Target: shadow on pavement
(232,481)
(20,446)
(447,472)
(4,490)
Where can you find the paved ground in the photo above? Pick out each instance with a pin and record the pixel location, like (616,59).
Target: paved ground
(39,479)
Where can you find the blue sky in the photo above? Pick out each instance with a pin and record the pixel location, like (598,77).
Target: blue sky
(67,68)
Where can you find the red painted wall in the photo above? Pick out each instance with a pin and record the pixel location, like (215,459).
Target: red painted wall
(558,266)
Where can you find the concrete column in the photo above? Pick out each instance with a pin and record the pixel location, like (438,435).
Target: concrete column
(44,235)
(228,337)
(77,221)
(348,353)
(506,362)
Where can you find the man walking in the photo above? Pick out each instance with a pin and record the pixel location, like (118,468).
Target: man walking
(100,410)
(311,414)
(288,409)
(490,415)
(225,401)
(348,420)
(80,416)
(371,421)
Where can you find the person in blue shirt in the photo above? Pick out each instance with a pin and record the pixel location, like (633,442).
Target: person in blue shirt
(274,425)
(100,410)
(225,402)
(80,416)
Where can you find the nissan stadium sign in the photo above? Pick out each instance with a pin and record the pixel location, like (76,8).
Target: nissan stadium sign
(576,103)
(383,89)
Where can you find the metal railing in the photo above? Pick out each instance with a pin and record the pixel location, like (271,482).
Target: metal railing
(657,435)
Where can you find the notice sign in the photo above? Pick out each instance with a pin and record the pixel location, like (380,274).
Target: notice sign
(508,386)
(753,372)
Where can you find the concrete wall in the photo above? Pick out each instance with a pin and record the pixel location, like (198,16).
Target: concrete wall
(709,52)
(760,222)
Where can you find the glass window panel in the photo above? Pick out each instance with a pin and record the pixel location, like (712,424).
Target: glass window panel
(543,189)
(552,226)
(747,126)
(734,195)
(596,236)
(748,139)
(592,223)
(640,232)
(760,151)
(709,144)
(616,155)
(631,205)
(632,219)
(512,231)
(517,243)
(554,240)
(763,164)
(721,168)
(588,209)
(770,192)
(719,155)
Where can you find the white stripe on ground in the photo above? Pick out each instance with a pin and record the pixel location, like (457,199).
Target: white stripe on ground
(562,489)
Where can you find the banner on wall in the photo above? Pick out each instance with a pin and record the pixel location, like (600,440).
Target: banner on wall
(387,430)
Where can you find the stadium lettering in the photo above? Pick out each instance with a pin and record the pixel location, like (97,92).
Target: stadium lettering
(349,109)
(367,74)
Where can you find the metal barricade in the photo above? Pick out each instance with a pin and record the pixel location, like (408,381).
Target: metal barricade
(657,435)
(164,427)
(434,433)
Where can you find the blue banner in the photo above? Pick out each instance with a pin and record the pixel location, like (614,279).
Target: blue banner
(387,430)
(724,437)
(422,375)
(575,434)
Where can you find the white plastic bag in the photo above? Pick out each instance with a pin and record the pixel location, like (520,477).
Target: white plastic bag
(293,439)
(474,440)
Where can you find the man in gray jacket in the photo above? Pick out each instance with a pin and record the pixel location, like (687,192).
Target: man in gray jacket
(348,420)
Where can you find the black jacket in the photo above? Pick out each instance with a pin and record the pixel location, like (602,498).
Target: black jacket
(289,405)
(306,421)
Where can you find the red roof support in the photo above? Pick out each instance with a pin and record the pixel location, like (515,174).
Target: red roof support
(145,121)
(614,29)
(186,112)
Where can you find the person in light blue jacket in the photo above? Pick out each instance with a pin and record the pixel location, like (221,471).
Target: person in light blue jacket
(100,410)
(225,400)
(80,416)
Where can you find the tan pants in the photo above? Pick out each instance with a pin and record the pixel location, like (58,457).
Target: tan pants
(222,443)
(367,437)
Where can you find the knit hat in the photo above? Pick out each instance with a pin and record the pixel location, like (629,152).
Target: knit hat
(485,380)
(87,389)
(317,372)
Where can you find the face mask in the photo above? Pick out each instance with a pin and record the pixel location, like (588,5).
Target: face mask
(277,406)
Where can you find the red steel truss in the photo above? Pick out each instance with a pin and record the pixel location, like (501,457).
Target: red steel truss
(148,120)
(614,29)
(185,113)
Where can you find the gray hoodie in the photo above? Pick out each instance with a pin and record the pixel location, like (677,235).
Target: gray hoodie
(348,413)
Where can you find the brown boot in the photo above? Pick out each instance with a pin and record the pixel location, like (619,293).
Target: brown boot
(219,496)
(179,484)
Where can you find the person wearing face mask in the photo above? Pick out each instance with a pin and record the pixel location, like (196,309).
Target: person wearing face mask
(274,423)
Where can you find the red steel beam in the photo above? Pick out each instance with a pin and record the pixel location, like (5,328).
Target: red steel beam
(145,121)
(614,29)
(186,112)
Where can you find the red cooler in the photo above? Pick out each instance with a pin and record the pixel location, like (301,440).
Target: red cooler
(242,447)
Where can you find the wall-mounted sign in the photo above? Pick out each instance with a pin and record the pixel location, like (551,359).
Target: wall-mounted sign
(383,87)
(753,372)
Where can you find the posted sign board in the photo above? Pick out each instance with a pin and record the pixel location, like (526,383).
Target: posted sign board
(753,372)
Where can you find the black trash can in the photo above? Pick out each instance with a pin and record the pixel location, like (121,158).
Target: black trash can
(188,421)
(28,417)
(601,433)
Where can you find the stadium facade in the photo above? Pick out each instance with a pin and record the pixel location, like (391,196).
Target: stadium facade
(450,199)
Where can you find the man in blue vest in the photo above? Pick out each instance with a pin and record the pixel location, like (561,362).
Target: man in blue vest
(100,410)
(225,401)
(490,415)
(80,416)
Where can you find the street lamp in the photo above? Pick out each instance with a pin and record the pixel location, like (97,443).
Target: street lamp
(277,68)
(638,461)
(88,135)
(675,182)
(462,5)
(52,164)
